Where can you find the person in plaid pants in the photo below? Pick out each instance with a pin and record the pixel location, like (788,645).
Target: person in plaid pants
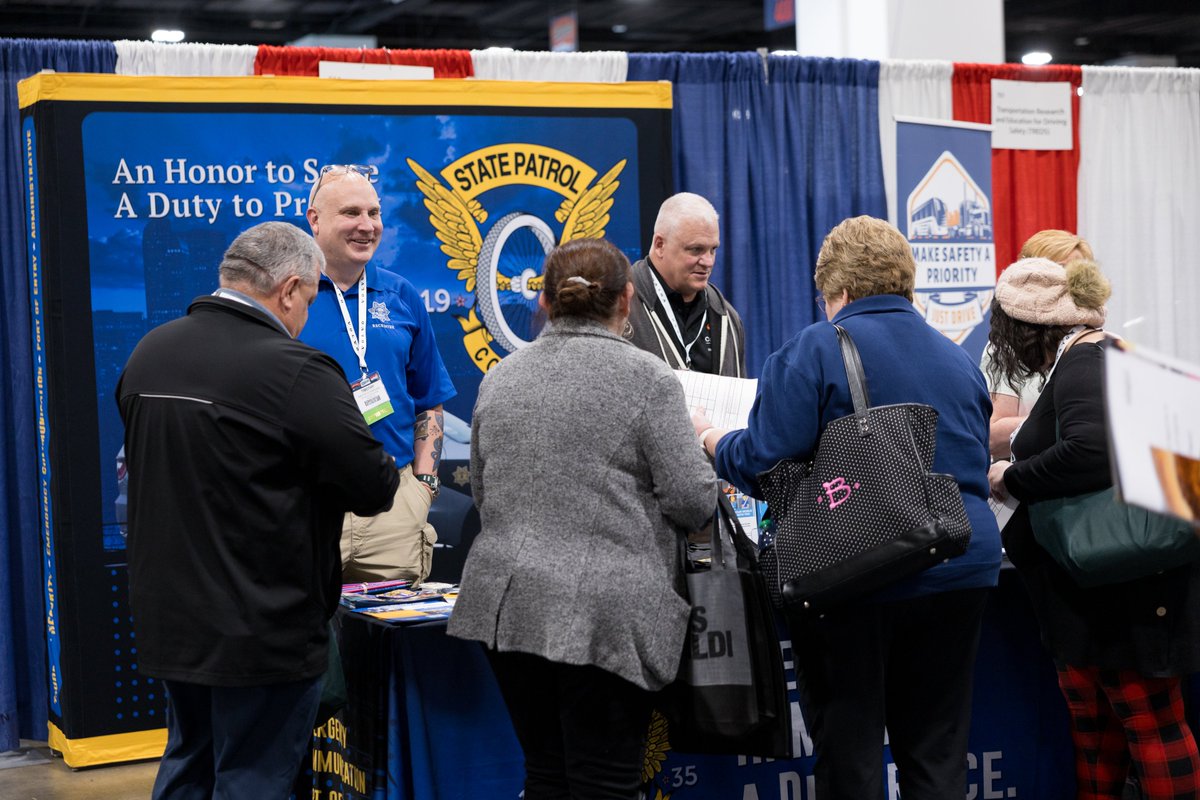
(1120,717)
(1122,648)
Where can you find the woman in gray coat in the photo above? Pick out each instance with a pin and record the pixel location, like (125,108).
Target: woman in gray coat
(585,469)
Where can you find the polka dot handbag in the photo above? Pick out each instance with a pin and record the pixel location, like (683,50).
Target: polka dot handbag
(866,510)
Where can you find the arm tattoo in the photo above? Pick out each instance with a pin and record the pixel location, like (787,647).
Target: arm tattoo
(437,431)
(430,426)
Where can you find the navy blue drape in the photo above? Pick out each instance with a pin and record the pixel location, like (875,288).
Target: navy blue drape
(22,626)
(783,160)
(722,151)
(826,126)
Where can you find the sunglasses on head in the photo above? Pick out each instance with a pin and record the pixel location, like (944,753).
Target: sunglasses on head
(341,169)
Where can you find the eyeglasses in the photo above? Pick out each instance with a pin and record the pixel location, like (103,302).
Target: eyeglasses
(341,169)
(820,298)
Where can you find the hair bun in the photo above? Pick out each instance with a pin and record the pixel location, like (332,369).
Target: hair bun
(1086,284)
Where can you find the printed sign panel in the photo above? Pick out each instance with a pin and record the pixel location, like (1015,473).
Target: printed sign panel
(944,182)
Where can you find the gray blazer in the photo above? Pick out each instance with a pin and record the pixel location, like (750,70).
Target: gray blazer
(585,469)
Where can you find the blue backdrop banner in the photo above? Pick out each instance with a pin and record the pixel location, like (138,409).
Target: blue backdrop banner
(141,184)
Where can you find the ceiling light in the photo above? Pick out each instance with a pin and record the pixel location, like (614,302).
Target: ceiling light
(1082,41)
(619,28)
(1037,58)
(167,35)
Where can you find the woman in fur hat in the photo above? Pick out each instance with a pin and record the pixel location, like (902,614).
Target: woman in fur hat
(1120,649)
(1011,402)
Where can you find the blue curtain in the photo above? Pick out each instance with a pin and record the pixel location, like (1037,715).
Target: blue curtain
(22,627)
(784,149)
(826,126)
(723,151)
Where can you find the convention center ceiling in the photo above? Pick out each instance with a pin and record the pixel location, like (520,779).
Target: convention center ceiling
(1145,33)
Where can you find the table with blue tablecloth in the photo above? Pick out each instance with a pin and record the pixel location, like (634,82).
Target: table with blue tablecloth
(426,721)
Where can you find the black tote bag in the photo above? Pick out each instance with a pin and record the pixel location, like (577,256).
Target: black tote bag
(730,696)
(866,510)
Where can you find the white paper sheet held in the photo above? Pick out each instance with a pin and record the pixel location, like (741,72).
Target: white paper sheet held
(726,401)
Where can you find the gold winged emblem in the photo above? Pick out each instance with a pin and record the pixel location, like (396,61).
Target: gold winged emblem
(656,747)
(586,217)
(456,217)
(454,220)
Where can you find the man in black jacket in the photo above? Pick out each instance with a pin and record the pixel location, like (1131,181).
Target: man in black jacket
(245,449)
(679,316)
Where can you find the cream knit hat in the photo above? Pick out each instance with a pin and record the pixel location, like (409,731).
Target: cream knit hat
(1043,292)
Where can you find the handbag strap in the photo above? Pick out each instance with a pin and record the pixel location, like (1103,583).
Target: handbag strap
(723,517)
(728,533)
(856,378)
(1067,343)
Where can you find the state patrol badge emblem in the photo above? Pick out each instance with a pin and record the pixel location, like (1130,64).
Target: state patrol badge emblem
(503,266)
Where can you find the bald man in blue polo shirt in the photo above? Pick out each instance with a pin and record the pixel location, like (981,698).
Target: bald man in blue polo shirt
(374,323)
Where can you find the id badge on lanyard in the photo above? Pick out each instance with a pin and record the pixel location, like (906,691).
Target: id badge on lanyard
(372,397)
(369,392)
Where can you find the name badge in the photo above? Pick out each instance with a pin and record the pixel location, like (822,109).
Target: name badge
(372,397)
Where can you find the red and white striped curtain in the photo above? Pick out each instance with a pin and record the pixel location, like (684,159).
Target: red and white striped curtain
(306,60)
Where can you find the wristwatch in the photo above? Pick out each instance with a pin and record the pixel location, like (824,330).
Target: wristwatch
(432,481)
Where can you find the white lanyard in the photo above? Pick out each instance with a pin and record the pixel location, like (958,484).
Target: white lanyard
(666,304)
(1071,336)
(359,342)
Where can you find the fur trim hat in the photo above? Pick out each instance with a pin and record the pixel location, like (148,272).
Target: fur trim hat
(1043,292)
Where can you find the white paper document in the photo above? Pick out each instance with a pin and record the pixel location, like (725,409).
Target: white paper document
(726,401)
(1153,406)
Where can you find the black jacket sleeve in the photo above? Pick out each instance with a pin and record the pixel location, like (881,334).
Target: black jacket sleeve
(350,463)
(1074,461)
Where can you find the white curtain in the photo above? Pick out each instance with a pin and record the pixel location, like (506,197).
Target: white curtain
(155,58)
(1139,200)
(520,65)
(909,89)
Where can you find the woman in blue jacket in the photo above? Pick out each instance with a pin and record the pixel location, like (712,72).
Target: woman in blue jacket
(903,657)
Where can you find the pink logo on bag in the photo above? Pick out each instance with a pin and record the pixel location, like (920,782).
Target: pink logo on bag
(837,491)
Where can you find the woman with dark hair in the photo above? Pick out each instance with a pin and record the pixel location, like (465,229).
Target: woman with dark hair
(1011,401)
(585,470)
(1120,649)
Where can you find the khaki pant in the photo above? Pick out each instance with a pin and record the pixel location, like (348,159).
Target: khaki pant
(395,544)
